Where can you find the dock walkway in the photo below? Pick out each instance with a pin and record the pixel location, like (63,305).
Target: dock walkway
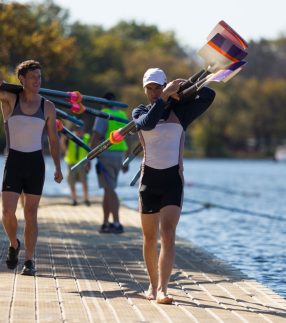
(84,276)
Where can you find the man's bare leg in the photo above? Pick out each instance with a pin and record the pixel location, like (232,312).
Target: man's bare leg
(9,220)
(31,224)
(73,193)
(110,205)
(106,206)
(85,192)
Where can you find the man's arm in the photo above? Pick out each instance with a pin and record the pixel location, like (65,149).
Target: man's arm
(63,144)
(53,139)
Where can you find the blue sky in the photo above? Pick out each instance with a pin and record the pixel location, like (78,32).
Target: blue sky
(190,20)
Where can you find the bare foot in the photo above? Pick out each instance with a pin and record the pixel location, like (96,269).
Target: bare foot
(162,298)
(151,293)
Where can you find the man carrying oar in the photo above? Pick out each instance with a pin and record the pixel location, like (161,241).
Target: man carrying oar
(25,115)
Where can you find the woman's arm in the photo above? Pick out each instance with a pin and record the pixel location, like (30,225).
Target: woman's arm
(187,112)
(146,118)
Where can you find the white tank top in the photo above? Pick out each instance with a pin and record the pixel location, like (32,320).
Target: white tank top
(25,132)
(163,145)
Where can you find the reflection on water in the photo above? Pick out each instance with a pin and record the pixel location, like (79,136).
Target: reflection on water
(232,208)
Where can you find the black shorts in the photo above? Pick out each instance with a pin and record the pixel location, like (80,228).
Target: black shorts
(24,172)
(159,188)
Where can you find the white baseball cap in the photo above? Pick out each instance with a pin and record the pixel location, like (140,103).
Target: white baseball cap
(154,75)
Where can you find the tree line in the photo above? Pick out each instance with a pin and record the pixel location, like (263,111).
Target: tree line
(248,117)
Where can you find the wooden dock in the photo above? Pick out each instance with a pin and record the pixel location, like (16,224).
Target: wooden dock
(84,276)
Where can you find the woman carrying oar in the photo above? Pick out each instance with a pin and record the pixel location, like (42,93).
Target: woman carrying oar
(162,125)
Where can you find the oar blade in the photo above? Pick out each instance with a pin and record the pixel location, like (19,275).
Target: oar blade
(224,75)
(219,52)
(228,32)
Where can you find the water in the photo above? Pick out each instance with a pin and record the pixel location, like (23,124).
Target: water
(234,209)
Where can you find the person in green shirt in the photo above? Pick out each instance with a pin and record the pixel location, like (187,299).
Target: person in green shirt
(73,154)
(109,165)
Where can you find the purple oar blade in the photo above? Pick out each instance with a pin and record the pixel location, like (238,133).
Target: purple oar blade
(224,29)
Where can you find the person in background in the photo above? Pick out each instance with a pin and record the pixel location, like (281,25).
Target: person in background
(109,165)
(73,154)
(162,129)
(25,116)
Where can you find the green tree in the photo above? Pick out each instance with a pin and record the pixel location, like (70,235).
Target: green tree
(31,32)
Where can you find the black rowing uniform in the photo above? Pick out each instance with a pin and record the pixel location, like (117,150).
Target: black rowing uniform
(24,167)
(162,135)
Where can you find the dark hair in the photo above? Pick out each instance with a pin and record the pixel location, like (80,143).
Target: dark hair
(109,96)
(26,66)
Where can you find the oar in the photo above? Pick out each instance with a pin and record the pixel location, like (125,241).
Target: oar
(191,81)
(221,76)
(135,178)
(221,49)
(61,128)
(13,88)
(224,46)
(73,97)
(137,150)
(66,116)
(225,30)
(223,38)
(77,97)
(116,136)
(219,52)
(78,108)
(70,135)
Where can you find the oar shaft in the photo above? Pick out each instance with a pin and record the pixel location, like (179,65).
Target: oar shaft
(14,88)
(99,149)
(89,110)
(54,92)
(131,126)
(192,80)
(86,98)
(81,163)
(66,116)
(199,79)
(134,153)
(105,115)
(121,133)
(191,90)
(75,138)
(137,149)
(135,178)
